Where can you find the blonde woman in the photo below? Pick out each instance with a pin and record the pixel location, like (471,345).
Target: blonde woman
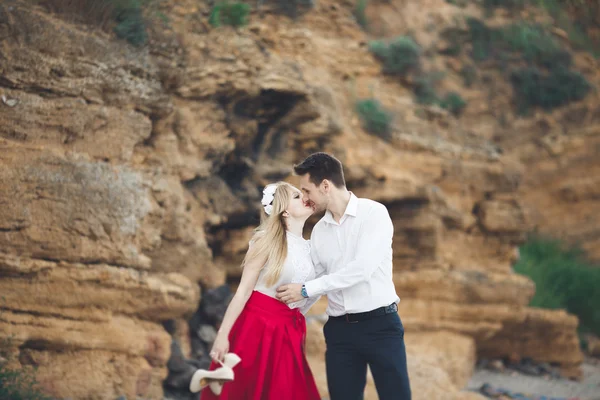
(268,335)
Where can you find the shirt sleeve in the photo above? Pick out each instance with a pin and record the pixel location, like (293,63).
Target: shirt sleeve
(374,242)
(319,271)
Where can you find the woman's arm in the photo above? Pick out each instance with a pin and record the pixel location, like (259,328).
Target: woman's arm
(319,271)
(250,275)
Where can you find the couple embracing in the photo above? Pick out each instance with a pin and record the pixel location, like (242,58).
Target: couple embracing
(348,259)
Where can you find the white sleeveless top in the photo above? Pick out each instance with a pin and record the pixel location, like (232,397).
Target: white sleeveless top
(297,268)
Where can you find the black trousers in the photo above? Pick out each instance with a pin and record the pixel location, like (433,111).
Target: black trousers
(377,342)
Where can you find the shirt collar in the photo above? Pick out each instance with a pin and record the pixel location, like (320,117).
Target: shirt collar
(351,209)
(352,206)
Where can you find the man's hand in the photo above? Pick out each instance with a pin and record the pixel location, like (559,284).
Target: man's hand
(289,293)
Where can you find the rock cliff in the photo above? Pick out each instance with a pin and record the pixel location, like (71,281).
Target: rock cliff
(130,175)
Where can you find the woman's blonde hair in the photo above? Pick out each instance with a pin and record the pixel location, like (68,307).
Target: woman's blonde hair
(269,242)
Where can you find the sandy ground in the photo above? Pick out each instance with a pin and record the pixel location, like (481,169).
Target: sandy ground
(587,389)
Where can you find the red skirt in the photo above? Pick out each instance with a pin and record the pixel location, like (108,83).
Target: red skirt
(269,337)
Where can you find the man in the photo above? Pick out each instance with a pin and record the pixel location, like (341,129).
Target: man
(351,247)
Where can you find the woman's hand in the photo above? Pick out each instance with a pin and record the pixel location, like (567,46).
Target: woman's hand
(250,275)
(220,348)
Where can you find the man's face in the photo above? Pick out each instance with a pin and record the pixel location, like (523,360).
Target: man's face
(314,194)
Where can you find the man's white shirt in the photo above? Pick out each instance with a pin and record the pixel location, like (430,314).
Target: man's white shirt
(353,259)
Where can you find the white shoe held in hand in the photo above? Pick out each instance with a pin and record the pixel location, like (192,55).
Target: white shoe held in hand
(216,378)
(230,360)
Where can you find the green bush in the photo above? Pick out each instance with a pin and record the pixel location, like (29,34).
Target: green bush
(375,118)
(577,18)
(17,384)
(482,39)
(469,75)
(125,17)
(547,82)
(360,13)
(131,24)
(454,39)
(536,44)
(491,5)
(426,94)
(293,8)
(454,103)
(560,86)
(425,91)
(564,279)
(232,14)
(459,3)
(578,36)
(399,57)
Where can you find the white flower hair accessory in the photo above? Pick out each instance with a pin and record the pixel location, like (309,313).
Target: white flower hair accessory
(268,196)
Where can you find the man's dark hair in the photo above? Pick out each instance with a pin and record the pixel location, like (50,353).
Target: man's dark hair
(322,166)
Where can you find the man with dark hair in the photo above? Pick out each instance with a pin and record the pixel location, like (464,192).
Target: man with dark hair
(321,166)
(351,247)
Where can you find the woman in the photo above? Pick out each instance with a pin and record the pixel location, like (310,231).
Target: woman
(266,334)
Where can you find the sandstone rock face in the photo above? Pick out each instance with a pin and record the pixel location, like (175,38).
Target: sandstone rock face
(96,247)
(129,176)
(558,150)
(593,345)
(561,189)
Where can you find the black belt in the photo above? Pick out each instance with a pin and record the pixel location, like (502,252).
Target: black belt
(378,312)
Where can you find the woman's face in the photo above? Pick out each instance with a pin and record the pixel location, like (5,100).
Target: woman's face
(298,208)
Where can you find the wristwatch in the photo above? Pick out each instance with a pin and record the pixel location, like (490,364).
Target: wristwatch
(303,292)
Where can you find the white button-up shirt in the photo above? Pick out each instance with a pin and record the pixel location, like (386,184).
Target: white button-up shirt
(353,259)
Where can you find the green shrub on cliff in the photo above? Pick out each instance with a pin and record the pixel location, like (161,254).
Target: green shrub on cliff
(425,92)
(453,102)
(576,17)
(375,118)
(127,18)
(17,384)
(360,13)
(482,39)
(232,14)
(564,279)
(491,5)
(534,43)
(399,57)
(560,86)
(131,24)
(469,75)
(424,89)
(546,81)
(292,8)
